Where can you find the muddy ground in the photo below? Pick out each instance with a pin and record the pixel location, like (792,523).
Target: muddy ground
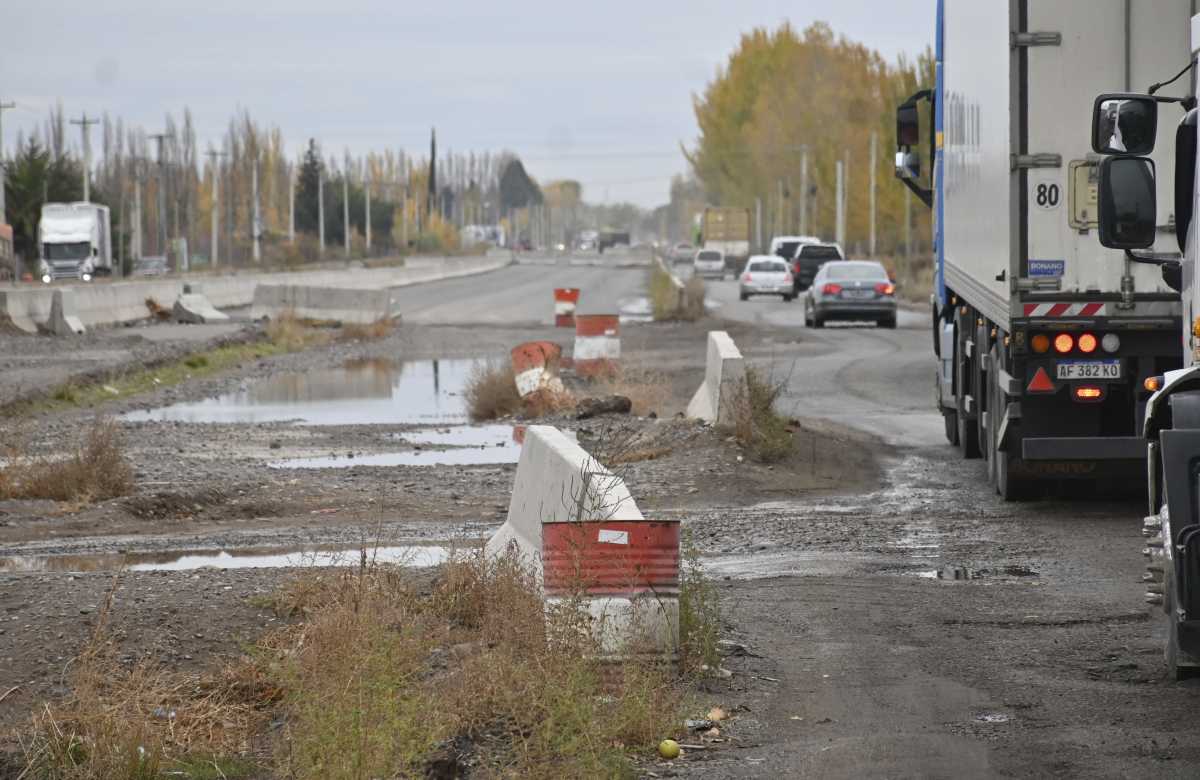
(898,619)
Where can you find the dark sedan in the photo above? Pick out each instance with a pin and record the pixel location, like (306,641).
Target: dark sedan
(851,290)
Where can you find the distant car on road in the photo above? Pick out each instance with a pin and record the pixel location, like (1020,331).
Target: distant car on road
(709,263)
(851,290)
(766,275)
(682,252)
(808,259)
(786,246)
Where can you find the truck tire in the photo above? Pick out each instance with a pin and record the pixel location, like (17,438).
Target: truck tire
(968,431)
(981,383)
(1010,487)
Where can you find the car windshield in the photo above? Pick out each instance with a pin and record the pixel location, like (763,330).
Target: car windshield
(820,252)
(855,272)
(709,255)
(73,251)
(764,266)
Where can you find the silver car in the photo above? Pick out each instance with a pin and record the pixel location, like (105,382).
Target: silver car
(766,275)
(709,263)
(851,290)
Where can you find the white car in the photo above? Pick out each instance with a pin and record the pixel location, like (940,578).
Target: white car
(766,275)
(709,263)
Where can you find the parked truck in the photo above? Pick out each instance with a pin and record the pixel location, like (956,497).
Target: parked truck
(727,230)
(74,242)
(1126,129)
(1043,337)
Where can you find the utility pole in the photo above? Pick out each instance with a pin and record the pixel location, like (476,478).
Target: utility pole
(84,124)
(779,228)
(135,248)
(162,203)
(291,207)
(804,191)
(346,209)
(840,200)
(404,219)
(367,188)
(3,207)
(254,216)
(320,213)
(214,156)
(758,244)
(873,194)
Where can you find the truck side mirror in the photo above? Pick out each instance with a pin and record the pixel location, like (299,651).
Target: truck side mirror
(1185,175)
(1124,124)
(908,165)
(908,124)
(1126,200)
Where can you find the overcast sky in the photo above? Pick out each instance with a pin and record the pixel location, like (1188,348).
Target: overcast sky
(596,91)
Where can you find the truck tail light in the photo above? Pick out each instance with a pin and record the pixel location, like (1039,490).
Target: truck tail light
(1088,393)
(1063,343)
(1040,343)
(1111,342)
(831,289)
(1087,343)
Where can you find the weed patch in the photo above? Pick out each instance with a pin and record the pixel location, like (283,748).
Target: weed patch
(95,471)
(491,392)
(759,428)
(669,301)
(648,390)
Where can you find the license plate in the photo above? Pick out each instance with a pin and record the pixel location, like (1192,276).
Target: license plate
(1089,369)
(860,293)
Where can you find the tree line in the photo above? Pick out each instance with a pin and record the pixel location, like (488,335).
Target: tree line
(785,97)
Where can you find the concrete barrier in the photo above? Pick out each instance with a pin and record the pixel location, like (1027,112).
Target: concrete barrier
(102,303)
(64,320)
(336,304)
(577,527)
(565,301)
(535,367)
(724,381)
(597,344)
(194,307)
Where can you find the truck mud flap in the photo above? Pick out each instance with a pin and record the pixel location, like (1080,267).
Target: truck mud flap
(1089,448)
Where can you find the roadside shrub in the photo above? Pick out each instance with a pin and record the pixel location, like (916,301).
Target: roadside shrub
(762,431)
(491,392)
(95,471)
(669,302)
(290,333)
(379,329)
(699,611)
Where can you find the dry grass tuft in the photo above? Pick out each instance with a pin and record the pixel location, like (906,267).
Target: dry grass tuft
(759,428)
(380,329)
(291,333)
(648,390)
(669,301)
(491,392)
(95,471)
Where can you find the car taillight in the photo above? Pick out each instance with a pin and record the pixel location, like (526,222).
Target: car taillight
(831,289)
(885,288)
(746,277)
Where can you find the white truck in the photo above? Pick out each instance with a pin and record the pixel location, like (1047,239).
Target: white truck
(1127,128)
(1043,337)
(74,242)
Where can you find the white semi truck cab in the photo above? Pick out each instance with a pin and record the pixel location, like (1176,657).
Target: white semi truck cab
(1124,131)
(74,242)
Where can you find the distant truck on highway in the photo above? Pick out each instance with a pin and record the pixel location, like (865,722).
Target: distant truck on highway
(727,230)
(1043,337)
(74,241)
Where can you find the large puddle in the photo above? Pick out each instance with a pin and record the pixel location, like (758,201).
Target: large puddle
(468,446)
(418,556)
(377,392)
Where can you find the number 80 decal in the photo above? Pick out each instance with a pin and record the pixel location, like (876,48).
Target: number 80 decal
(1045,194)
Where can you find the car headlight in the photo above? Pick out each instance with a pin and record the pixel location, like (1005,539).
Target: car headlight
(87,277)
(46,278)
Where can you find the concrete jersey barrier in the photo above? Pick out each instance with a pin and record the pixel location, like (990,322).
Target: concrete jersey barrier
(575,524)
(338,304)
(724,381)
(110,303)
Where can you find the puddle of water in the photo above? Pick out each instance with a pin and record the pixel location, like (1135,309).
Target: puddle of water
(256,558)
(635,310)
(374,392)
(967,573)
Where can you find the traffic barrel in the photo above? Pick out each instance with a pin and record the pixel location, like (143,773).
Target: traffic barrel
(597,344)
(565,300)
(535,367)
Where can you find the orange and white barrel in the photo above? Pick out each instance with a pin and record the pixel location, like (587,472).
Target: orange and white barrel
(535,367)
(597,344)
(565,300)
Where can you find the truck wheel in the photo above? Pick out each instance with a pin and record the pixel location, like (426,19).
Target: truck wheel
(744,297)
(1179,663)
(1010,487)
(968,431)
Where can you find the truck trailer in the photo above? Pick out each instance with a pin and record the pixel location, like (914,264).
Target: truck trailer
(74,241)
(1043,337)
(727,230)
